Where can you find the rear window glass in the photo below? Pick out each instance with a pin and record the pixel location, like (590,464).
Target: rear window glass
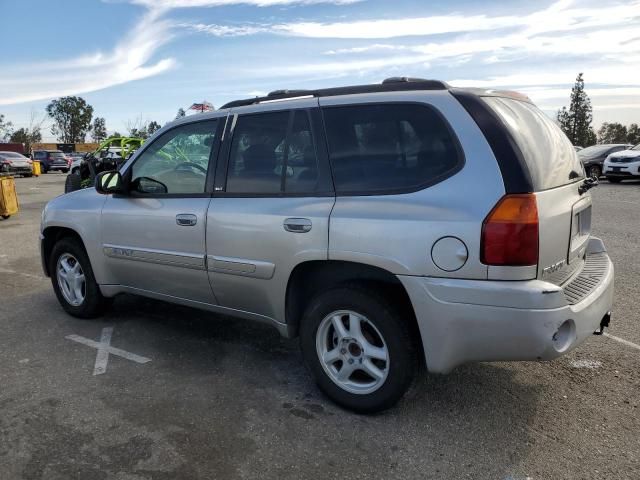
(549,154)
(388,148)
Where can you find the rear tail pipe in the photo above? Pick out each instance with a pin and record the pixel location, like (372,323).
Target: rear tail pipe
(603,323)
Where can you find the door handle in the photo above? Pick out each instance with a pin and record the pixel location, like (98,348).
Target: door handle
(186,219)
(297,225)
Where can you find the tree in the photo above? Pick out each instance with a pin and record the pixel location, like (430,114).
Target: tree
(27,137)
(153,127)
(575,121)
(99,129)
(71,117)
(114,135)
(5,128)
(181,113)
(633,134)
(612,133)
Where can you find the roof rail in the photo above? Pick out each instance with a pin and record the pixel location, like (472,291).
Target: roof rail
(392,84)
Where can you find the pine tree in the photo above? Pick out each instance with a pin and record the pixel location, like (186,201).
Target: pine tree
(575,121)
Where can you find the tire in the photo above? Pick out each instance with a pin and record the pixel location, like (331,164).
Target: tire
(382,326)
(72,183)
(614,179)
(595,171)
(5,216)
(65,170)
(28,175)
(93,303)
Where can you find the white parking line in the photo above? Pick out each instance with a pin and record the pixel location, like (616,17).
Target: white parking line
(104,349)
(622,340)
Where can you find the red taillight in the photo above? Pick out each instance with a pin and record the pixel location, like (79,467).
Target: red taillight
(510,232)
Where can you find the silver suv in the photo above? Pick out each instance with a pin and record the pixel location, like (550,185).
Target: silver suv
(388,226)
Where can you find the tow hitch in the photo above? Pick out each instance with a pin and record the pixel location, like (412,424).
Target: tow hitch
(603,323)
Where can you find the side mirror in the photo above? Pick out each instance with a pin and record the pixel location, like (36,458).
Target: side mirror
(109,182)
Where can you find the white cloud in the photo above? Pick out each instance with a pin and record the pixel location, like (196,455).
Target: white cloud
(560,16)
(173,4)
(129,60)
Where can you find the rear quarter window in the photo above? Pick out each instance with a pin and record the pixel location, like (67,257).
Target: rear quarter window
(389,148)
(550,157)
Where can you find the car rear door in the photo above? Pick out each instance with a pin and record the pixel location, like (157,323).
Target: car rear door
(153,239)
(270,211)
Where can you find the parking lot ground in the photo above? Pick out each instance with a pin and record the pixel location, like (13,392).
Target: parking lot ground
(226,398)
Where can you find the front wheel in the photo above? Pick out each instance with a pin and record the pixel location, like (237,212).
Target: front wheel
(359,349)
(73,280)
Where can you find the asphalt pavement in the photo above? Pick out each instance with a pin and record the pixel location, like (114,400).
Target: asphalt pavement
(186,394)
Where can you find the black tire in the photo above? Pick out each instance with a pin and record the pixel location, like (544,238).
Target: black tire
(94,303)
(27,175)
(402,352)
(614,179)
(72,183)
(5,216)
(595,171)
(65,170)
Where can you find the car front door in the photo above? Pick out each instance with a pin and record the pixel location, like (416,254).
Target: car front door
(270,211)
(153,238)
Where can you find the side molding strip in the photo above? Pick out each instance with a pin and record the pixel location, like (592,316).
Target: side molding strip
(240,266)
(160,257)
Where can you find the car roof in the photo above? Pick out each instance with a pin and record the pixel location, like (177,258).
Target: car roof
(393,84)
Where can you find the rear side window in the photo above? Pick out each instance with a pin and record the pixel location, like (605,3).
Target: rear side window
(377,149)
(550,156)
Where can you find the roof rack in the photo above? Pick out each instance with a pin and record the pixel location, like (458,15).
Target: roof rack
(392,84)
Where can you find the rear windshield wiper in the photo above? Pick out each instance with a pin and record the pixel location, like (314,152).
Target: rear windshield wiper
(587,184)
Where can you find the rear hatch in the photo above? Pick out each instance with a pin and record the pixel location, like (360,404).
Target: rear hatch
(58,158)
(556,173)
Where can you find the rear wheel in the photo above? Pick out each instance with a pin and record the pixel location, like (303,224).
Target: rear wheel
(614,179)
(595,171)
(73,280)
(358,348)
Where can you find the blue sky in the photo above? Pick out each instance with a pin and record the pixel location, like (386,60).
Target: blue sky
(141,60)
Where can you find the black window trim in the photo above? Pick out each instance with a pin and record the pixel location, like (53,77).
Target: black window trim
(211,168)
(220,187)
(398,191)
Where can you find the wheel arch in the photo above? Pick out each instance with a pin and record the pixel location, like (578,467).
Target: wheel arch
(311,277)
(51,236)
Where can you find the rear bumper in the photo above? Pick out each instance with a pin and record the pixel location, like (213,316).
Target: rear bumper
(20,170)
(58,167)
(465,321)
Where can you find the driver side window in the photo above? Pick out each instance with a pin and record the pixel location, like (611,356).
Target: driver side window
(177,161)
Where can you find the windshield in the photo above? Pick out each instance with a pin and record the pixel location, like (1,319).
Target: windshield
(637,147)
(57,154)
(594,150)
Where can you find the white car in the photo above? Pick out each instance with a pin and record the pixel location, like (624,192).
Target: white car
(623,165)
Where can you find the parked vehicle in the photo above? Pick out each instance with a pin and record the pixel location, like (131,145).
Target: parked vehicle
(623,165)
(51,160)
(593,157)
(386,225)
(16,163)
(109,155)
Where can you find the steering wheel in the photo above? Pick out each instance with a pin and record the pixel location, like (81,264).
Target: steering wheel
(191,165)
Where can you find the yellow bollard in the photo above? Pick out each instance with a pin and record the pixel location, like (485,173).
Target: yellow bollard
(35,166)
(8,197)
